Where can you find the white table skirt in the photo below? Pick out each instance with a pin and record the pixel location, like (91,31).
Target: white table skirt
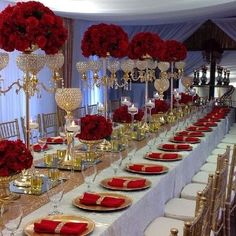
(147,204)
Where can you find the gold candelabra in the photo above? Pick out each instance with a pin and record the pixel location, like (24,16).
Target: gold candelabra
(30,64)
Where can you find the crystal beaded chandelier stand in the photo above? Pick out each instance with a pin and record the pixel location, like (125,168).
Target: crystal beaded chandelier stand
(30,64)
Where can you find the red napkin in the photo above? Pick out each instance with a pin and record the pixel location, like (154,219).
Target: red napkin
(106,201)
(208,119)
(37,148)
(191,134)
(185,139)
(194,128)
(58,140)
(176,146)
(50,227)
(144,168)
(164,156)
(205,124)
(119,182)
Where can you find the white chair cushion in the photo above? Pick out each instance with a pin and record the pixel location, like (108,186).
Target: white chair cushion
(218,151)
(224,145)
(228,140)
(212,158)
(162,225)
(181,209)
(232,131)
(201,177)
(233,136)
(190,190)
(209,167)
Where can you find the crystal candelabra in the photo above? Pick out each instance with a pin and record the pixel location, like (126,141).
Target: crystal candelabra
(31,63)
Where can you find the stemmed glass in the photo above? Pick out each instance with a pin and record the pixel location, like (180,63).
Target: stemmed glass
(13,217)
(151,141)
(42,140)
(132,149)
(115,161)
(89,174)
(55,195)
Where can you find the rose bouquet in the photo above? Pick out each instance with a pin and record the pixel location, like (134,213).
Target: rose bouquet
(122,115)
(186,98)
(145,44)
(160,106)
(95,127)
(103,40)
(172,51)
(14,157)
(29,24)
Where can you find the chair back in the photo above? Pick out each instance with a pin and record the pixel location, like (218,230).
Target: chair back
(50,124)
(218,198)
(80,112)
(10,130)
(92,109)
(61,117)
(222,157)
(23,125)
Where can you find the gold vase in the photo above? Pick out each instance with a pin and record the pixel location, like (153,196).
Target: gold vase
(5,193)
(91,154)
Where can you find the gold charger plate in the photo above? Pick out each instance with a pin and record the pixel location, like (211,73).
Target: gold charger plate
(165,169)
(184,141)
(29,228)
(174,150)
(127,203)
(163,159)
(104,183)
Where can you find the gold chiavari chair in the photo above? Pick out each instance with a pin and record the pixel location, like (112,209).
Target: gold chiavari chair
(197,226)
(80,112)
(218,199)
(23,125)
(10,130)
(61,117)
(230,202)
(92,109)
(50,124)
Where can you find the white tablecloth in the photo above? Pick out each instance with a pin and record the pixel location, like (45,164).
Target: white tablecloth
(147,204)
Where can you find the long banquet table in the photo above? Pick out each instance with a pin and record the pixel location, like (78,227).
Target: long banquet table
(147,204)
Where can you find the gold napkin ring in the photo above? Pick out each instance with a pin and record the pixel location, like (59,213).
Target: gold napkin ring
(59,227)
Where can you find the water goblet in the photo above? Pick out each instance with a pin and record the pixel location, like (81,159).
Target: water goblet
(132,149)
(12,218)
(55,195)
(42,140)
(89,172)
(115,161)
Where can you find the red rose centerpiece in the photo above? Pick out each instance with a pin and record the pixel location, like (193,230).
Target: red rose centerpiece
(121,115)
(145,44)
(14,157)
(29,24)
(103,40)
(187,98)
(160,106)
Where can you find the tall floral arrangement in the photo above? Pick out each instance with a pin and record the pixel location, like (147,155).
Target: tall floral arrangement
(31,24)
(95,127)
(145,44)
(160,106)
(122,115)
(172,50)
(14,157)
(103,40)
(187,98)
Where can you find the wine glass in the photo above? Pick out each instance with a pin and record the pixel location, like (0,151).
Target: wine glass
(132,149)
(12,218)
(151,141)
(42,140)
(89,174)
(115,161)
(55,195)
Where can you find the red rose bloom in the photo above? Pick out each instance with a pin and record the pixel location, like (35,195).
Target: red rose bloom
(31,23)
(172,51)
(95,127)
(14,157)
(160,106)
(186,98)
(102,39)
(143,44)
(122,115)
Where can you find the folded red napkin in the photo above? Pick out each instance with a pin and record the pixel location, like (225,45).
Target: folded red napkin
(164,156)
(58,140)
(37,148)
(58,227)
(190,134)
(194,128)
(119,182)
(176,146)
(186,139)
(144,168)
(205,124)
(106,201)
(208,119)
